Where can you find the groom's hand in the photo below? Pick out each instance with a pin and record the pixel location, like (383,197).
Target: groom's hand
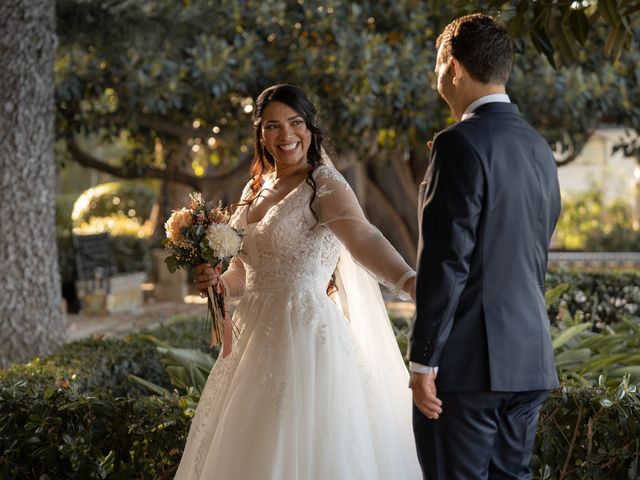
(425,394)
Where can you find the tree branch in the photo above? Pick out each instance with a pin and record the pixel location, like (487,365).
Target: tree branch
(146,171)
(161,125)
(566,158)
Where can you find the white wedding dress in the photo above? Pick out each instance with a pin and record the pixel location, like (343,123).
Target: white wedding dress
(302,396)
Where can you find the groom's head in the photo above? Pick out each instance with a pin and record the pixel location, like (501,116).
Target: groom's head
(475,55)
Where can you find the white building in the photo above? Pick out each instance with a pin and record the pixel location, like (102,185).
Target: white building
(617,175)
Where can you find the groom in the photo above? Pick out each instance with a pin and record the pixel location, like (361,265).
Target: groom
(481,356)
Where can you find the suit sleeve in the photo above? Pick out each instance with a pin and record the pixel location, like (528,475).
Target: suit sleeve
(450,216)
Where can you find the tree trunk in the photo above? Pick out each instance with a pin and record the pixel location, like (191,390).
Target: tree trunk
(31,320)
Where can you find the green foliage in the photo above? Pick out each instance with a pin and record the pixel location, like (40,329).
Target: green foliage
(62,433)
(584,350)
(561,29)
(103,364)
(61,426)
(588,223)
(132,199)
(76,414)
(118,74)
(94,365)
(589,433)
(187,369)
(585,355)
(185,331)
(599,298)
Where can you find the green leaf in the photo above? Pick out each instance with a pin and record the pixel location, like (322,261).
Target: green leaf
(568,334)
(49,392)
(552,295)
(572,359)
(608,9)
(579,24)
(634,370)
(178,376)
(150,385)
(566,41)
(614,42)
(185,357)
(172,264)
(605,402)
(542,43)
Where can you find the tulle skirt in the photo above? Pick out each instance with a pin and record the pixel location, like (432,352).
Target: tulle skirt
(294,401)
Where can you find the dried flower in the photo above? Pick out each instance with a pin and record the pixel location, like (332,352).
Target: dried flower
(178,220)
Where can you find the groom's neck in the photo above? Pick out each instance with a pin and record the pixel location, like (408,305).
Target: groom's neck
(477,90)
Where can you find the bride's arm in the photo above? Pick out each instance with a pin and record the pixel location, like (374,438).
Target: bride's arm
(338,209)
(233,280)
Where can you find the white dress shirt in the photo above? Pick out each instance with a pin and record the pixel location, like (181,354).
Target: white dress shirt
(493,98)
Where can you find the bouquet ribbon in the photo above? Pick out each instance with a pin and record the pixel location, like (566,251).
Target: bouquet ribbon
(221,325)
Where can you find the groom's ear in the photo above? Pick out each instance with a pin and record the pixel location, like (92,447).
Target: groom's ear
(456,70)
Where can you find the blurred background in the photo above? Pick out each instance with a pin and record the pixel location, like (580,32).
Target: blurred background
(154,100)
(114,111)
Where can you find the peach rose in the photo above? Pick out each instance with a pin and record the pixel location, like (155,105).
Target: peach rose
(179,219)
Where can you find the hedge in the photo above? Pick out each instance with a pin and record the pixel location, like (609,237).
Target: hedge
(602,297)
(584,433)
(76,415)
(589,433)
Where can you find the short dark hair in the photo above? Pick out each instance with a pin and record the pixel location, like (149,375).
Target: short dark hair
(481,45)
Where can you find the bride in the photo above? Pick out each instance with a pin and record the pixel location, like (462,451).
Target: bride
(315,387)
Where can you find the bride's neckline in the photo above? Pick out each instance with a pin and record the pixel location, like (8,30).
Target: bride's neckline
(266,214)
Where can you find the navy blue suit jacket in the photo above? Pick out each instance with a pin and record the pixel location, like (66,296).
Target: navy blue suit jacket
(487,209)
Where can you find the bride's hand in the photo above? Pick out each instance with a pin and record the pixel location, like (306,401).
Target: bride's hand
(206,276)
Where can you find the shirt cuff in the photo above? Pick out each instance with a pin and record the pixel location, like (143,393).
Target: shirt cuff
(419,368)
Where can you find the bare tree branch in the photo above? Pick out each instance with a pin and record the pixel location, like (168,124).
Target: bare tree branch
(567,157)
(161,125)
(144,171)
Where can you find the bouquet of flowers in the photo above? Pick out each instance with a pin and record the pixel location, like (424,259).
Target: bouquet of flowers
(201,234)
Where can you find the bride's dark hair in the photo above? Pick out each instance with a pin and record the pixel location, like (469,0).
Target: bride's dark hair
(263,162)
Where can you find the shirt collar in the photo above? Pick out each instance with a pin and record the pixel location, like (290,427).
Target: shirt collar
(494,97)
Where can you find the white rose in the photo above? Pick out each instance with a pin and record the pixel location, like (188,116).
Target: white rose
(223,240)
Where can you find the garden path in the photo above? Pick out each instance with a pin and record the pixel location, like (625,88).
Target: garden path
(153,314)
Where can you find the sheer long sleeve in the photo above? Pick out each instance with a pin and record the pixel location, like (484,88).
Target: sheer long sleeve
(233,280)
(338,209)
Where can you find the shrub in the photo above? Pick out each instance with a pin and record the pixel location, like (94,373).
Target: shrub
(103,364)
(583,355)
(588,223)
(589,433)
(185,331)
(94,365)
(133,199)
(600,298)
(76,415)
(57,433)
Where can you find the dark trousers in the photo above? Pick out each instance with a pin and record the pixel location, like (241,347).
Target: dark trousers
(480,435)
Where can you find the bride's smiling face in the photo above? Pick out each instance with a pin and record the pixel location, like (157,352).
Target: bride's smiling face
(285,134)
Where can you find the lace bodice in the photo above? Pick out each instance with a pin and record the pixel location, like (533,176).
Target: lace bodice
(290,247)
(284,249)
